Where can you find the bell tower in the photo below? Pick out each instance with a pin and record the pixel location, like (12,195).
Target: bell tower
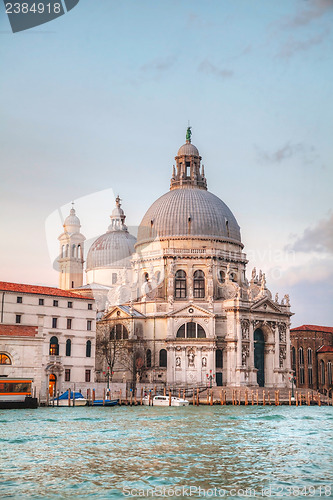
(188,171)
(71,253)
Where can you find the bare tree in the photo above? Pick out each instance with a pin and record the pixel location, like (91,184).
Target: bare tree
(117,354)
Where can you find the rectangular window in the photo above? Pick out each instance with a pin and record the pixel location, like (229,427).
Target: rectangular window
(90,307)
(19,300)
(41,302)
(87,378)
(70,305)
(89,322)
(18,318)
(69,323)
(54,322)
(67,375)
(55,303)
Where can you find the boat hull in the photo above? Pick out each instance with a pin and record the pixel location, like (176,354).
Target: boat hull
(107,402)
(16,404)
(164,401)
(64,402)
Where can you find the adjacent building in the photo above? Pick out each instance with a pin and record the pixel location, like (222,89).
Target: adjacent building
(312,356)
(47,334)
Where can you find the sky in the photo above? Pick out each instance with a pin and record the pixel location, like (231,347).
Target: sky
(97,102)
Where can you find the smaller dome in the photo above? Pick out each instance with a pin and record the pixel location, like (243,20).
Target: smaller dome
(188,149)
(112,249)
(115,247)
(72,223)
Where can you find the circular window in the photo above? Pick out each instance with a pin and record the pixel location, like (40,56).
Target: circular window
(191,310)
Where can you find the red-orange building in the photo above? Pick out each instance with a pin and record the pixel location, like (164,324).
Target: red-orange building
(312,356)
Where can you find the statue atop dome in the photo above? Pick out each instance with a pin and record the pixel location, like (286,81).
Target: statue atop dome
(188,134)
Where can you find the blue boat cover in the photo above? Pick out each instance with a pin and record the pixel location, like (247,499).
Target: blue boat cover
(78,395)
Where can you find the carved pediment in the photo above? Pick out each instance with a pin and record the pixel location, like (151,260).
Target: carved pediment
(265,304)
(191,311)
(122,312)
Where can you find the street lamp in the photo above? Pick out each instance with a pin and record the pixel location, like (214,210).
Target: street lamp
(293,381)
(210,378)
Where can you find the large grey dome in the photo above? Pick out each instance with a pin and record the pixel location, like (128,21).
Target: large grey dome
(111,250)
(189,212)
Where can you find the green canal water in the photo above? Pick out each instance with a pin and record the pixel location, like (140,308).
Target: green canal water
(201,452)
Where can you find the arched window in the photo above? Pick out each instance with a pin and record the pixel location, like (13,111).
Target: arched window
(68,347)
(218,358)
(88,349)
(309,356)
(63,251)
(163,358)
(67,250)
(79,252)
(73,250)
(310,375)
(119,332)
(301,356)
(301,365)
(5,359)
(191,331)
(148,358)
(54,346)
(180,285)
(199,285)
(322,371)
(329,373)
(293,358)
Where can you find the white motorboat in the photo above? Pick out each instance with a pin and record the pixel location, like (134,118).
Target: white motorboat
(164,401)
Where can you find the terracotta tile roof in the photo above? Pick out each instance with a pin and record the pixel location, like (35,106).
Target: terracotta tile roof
(313,328)
(40,290)
(18,330)
(325,348)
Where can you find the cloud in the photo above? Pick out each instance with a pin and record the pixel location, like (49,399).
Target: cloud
(210,69)
(159,65)
(287,151)
(317,9)
(292,46)
(318,238)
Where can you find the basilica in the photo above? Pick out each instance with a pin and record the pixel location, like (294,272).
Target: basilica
(175,306)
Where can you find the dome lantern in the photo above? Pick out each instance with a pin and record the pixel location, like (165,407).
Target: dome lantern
(187,172)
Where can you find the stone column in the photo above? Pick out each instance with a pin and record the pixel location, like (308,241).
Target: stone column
(171,376)
(276,354)
(239,353)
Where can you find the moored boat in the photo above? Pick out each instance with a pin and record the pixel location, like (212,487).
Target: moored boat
(62,400)
(160,400)
(16,393)
(106,402)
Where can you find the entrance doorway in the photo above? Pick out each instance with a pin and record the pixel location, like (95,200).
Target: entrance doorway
(52,384)
(259,352)
(218,378)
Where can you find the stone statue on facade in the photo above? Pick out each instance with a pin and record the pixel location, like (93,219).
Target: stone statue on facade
(191,358)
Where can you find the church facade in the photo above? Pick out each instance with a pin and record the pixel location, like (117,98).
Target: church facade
(175,305)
